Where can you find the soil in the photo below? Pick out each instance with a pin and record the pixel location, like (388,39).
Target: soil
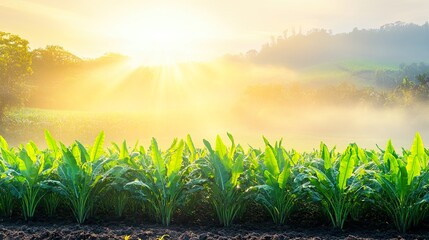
(305,223)
(119,229)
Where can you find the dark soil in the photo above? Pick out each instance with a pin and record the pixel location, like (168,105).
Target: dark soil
(307,222)
(119,229)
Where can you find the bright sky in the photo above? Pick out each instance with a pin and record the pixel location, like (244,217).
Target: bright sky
(189,29)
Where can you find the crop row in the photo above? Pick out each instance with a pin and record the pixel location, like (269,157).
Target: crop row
(343,184)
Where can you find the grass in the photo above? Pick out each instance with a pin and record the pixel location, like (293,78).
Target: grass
(351,70)
(302,128)
(30,123)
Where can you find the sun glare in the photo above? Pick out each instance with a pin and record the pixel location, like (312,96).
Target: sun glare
(162,36)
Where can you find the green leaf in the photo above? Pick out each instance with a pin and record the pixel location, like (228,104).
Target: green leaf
(413,167)
(70,162)
(325,155)
(191,147)
(270,162)
(25,162)
(270,179)
(390,158)
(31,152)
(84,156)
(403,180)
(361,155)
(3,143)
(220,147)
(237,169)
(52,144)
(392,162)
(220,173)
(417,148)
(123,154)
(232,149)
(266,141)
(321,176)
(295,158)
(208,146)
(97,148)
(373,156)
(347,163)
(156,157)
(284,176)
(176,159)
(389,148)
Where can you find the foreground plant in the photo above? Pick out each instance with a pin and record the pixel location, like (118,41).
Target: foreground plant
(223,168)
(163,181)
(28,173)
(337,183)
(117,196)
(51,199)
(402,185)
(343,184)
(6,197)
(275,177)
(82,176)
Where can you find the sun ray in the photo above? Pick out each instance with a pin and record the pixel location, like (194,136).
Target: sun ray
(162,35)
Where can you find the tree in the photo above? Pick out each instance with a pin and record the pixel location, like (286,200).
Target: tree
(15,67)
(54,56)
(51,66)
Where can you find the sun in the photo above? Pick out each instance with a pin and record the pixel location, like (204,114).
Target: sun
(162,36)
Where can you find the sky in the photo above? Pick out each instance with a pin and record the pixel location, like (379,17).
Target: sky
(189,30)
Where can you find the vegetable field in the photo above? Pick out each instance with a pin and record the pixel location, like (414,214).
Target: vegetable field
(224,180)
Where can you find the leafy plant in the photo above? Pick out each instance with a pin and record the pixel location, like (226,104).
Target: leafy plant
(28,173)
(275,188)
(52,154)
(6,197)
(119,197)
(401,185)
(222,169)
(162,180)
(337,184)
(82,176)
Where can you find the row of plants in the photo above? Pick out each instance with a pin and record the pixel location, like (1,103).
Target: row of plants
(343,184)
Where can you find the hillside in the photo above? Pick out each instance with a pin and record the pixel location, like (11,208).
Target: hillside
(393,43)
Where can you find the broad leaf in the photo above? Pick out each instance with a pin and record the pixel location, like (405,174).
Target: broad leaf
(97,148)
(347,163)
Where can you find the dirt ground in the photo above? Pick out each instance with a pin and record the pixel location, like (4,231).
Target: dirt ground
(52,229)
(305,223)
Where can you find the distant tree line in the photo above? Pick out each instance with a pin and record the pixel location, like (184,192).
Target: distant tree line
(413,72)
(404,94)
(393,43)
(32,77)
(57,71)
(38,78)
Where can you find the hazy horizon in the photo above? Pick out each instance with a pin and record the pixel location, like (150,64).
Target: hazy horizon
(207,68)
(161,31)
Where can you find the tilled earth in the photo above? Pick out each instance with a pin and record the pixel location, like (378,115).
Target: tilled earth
(307,223)
(120,229)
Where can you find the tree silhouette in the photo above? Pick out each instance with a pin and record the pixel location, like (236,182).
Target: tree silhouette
(15,67)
